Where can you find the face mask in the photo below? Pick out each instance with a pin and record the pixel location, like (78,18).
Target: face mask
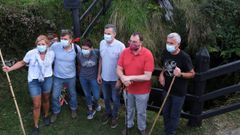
(107,38)
(64,43)
(41,48)
(170,48)
(134,47)
(86,53)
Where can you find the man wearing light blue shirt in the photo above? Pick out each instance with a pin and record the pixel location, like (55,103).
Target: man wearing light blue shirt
(110,50)
(64,73)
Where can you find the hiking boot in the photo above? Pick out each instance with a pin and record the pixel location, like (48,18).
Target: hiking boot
(46,121)
(74,114)
(105,118)
(91,114)
(98,108)
(35,131)
(114,123)
(53,118)
(126,131)
(142,132)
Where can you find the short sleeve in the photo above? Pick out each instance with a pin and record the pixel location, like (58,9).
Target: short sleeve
(54,45)
(149,62)
(120,60)
(27,57)
(79,48)
(188,63)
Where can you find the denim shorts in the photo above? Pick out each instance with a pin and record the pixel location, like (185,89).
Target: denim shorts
(36,88)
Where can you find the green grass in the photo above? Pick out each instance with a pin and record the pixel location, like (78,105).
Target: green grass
(9,122)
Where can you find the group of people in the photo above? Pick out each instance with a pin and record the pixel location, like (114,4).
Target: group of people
(53,65)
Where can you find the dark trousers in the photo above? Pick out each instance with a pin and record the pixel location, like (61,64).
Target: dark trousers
(171,113)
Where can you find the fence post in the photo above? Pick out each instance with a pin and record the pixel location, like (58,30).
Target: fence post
(74,6)
(202,65)
(104,6)
(76,22)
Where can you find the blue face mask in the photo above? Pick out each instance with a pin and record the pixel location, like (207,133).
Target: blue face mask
(86,53)
(41,48)
(107,38)
(64,43)
(170,48)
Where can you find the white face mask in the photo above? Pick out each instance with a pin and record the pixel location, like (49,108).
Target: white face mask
(64,43)
(107,38)
(86,53)
(170,48)
(41,48)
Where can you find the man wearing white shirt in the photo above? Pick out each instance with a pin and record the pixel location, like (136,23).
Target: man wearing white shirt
(110,50)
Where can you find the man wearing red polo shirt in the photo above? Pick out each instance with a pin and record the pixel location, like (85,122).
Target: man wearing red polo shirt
(135,67)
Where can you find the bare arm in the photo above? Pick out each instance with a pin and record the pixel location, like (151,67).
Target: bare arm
(16,66)
(144,77)
(122,76)
(99,78)
(162,78)
(188,75)
(177,72)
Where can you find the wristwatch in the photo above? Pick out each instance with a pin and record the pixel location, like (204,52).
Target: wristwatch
(181,75)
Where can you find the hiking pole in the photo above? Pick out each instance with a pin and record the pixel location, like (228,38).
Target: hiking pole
(126,114)
(13,95)
(164,101)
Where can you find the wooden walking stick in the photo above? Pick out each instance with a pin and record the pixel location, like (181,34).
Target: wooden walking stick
(164,101)
(13,95)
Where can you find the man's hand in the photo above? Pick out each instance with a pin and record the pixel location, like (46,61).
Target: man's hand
(177,72)
(118,84)
(161,80)
(126,80)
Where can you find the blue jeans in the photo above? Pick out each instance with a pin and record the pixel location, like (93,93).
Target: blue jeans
(57,88)
(171,113)
(36,88)
(90,87)
(111,92)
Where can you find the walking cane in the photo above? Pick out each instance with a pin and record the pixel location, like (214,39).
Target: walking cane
(13,95)
(126,119)
(165,99)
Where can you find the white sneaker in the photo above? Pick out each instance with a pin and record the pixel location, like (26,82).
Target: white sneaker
(99,108)
(91,114)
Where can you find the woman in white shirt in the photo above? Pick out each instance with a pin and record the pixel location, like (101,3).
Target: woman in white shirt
(40,73)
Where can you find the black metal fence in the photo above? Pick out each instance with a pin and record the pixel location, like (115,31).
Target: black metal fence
(196,100)
(77,19)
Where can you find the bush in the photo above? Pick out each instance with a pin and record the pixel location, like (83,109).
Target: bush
(223,16)
(19,29)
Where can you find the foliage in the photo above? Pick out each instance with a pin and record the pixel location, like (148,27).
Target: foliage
(19,28)
(223,17)
(24,20)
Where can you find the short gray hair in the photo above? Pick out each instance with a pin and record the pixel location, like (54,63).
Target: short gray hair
(111,26)
(175,36)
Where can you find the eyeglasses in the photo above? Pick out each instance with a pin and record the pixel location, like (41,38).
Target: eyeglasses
(132,42)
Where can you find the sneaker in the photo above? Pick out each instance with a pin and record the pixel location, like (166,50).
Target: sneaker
(46,121)
(35,131)
(126,131)
(98,108)
(53,118)
(74,114)
(91,114)
(105,118)
(142,132)
(114,123)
